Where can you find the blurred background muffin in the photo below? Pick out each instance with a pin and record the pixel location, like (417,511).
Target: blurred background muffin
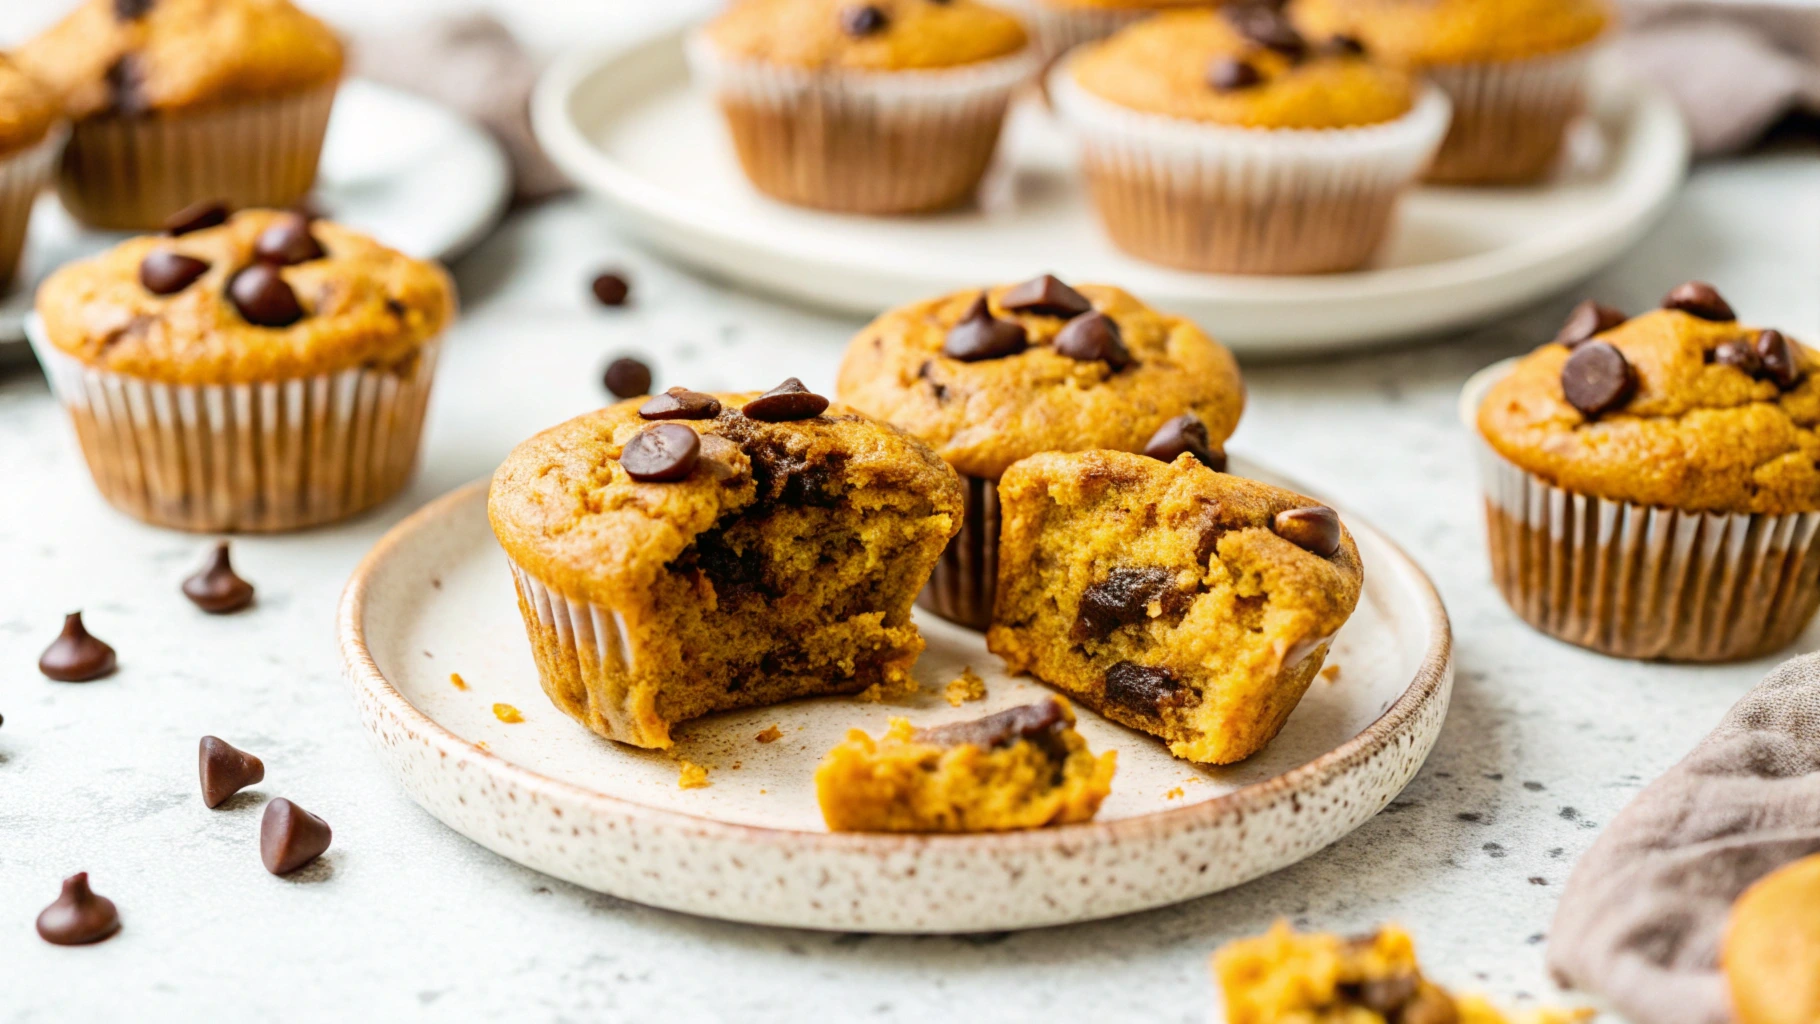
(28,143)
(1060,25)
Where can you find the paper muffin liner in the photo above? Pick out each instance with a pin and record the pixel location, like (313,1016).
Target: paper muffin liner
(22,176)
(965,582)
(263,457)
(1635,581)
(1510,118)
(1059,29)
(886,142)
(585,661)
(1246,200)
(131,173)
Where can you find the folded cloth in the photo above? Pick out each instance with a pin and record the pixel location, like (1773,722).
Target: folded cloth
(1643,914)
(474,64)
(1734,66)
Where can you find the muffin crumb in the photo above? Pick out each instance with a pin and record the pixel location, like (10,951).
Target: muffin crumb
(691,776)
(456,681)
(897,686)
(507,713)
(965,687)
(771,735)
(1331,673)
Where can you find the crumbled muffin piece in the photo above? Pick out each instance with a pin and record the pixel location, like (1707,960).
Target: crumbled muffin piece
(965,687)
(691,776)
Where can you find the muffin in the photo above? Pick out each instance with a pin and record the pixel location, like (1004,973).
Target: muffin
(989,377)
(1772,948)
(266,373)
(1225,141)
(1061,25)
(1653,484)
(1022,768)
(1188,604)
(29,137)
(177,102)
(1515,69)
(891,107)
(694,553)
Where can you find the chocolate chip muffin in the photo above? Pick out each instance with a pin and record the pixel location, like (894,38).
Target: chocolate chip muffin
(263,372)
(890,107)
(1229,141)
(1189,604)
(693,553)
(29,136)
(1772,947)
(1018,769)
(1654,483)
(988,377)
(177,102)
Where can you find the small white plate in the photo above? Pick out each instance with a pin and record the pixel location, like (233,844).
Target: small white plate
(627,125)
(417,176)
(435,597)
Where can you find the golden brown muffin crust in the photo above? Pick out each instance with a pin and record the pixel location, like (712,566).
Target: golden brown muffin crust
(917,34)
(364,304)
(27,109)
(180,54)
(983,416)
(1425,32)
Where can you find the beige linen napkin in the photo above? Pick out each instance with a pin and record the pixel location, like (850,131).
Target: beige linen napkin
(1734,66)
(1643,914)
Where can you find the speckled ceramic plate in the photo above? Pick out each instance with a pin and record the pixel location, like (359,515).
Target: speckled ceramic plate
(435,598)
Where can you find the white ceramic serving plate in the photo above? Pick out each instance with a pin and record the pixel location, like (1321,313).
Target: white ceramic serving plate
(435,597)
(415,175)
(628,125)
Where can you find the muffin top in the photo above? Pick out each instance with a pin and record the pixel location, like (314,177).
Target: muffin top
(266,296)
(1039,367)
(884,35)
(1244,65)
(567,507)
(1679,408)
(136,56)
(27,109)
(1459,31)
(1772,946)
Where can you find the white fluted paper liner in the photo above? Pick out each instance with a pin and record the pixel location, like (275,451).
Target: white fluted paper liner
(1510,118)
(1246,200)
(1641,582)
(263,457)
(879,142)
(1059,29)
(585,661)
(22,176)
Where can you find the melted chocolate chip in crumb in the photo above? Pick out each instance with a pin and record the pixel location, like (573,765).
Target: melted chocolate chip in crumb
(225,769)
(1143,689)
(1185,434)
(1383,996)
(1589,318)
(131,10)
(1697,298)
(680,404)
(863,20)
(1028,722)
(287,241)
(76,656)
(79,916)
(1092,337)
(290,837)
(627,378)
(1597,379)
(980,335)
(211,213)
(1315,529)
(216,588)
(664,453)
(166,273)
(263,297)
(1045,296)
(1123,598)
(1345,46)
(1230,74)
(1780,363)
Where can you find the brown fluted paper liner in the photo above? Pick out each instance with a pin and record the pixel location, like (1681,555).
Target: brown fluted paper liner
(965,582)
(1510,119)
(131,173)
(585,662)
(22,176)
(264,457)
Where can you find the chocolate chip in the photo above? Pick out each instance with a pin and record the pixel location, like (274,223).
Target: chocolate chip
(1268,27)
(76,656)
(126,86)
(1779,359)
(216,588)
(1186,433)
(287,241)
(78,917)
(863,20)
(661,454)
(787,401)
(290,837)
(1597,379)
(1230,74)
(166,273)
(1697,298)
(1383,996)
(980,335)
(225,770)
(1141,688)
(611,289)
(681,404)
(1123,598)
(1739,356)
(1345,46)
(263,298)
(1315,529)
(1029,721)
(1045,296)
(211,213)
(627,378)
(1588,319)
(130,10)
(1094,336)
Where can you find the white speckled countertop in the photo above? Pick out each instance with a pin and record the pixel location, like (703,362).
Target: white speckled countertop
(406,920)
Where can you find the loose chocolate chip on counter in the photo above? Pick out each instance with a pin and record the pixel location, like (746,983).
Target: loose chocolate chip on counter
(1697,298)
(863,20)
(1315,529)
(287,241)
(1045,296)
(263,297)
(216,588)
(290,837)
(129,10)
(980,335)
(1230,74)
(210,213)
(627,378)
(1739,356)
(1185,433)
(661,454)
(1028,721)
(1779,360)
(787,401)
(1265,25)
(1095,336)
(225,770)
(76,656)
(1597,379)
(611,289)
(79,916)
(166,273)
(1141,688)
(1345,46)
(681,404)
(1588,319)
(1123,598)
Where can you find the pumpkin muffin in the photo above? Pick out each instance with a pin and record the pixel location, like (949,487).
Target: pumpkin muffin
(1772,948)
(266,373)
(1227,141)
(693,553)
(29,136)
(1516,70)
(1018,769)
(1189,604)
(890,107)
(1652,483)
(177,102)
(989,377)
